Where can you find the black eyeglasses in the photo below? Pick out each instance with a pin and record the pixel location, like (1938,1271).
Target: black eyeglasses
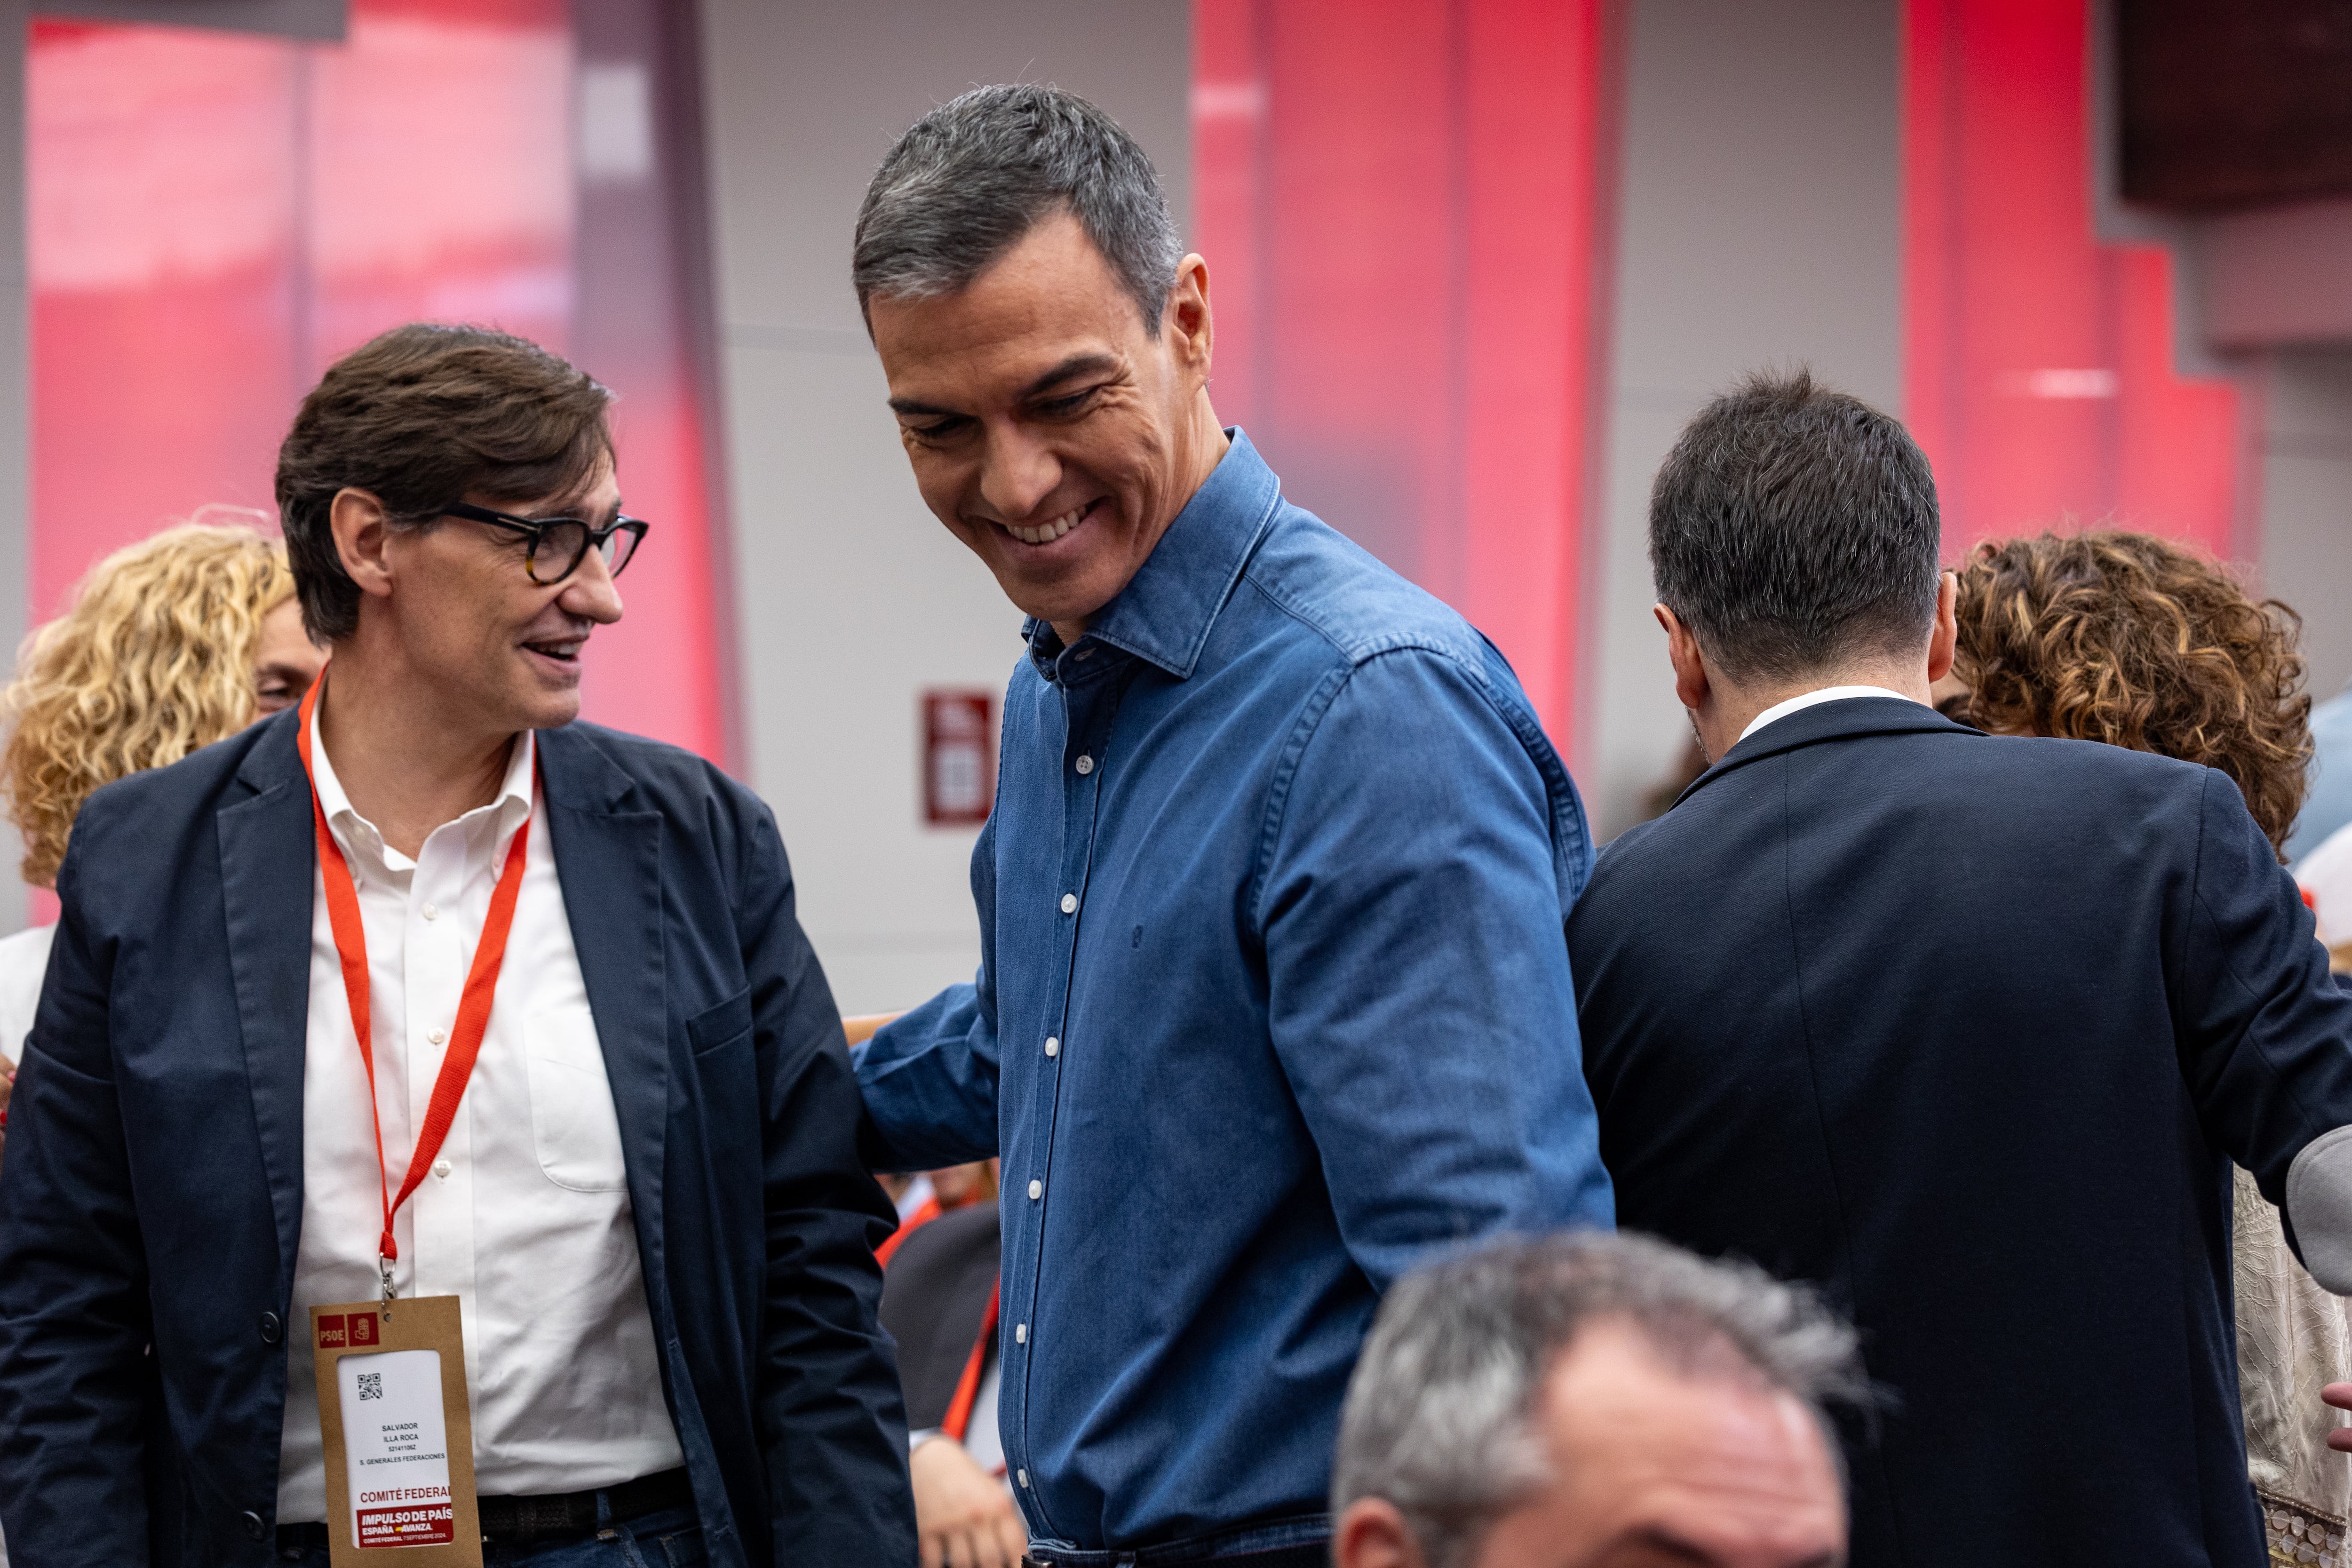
(558,544)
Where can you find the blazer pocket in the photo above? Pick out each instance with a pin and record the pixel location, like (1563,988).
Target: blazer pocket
(715,1027)
(574,1128)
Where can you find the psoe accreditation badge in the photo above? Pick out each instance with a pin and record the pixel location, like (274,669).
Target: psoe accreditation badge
(399,1443)
(396,1449)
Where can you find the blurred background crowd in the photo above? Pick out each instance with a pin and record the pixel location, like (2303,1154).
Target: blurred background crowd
(2089,253)
(2096,254)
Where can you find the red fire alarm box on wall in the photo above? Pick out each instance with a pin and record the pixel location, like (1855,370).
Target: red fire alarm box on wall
(959,757)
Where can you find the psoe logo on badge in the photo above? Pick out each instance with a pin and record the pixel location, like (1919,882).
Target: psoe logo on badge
(331,1335)
(363,1329)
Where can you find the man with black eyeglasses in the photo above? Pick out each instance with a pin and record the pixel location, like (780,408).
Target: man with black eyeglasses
(422,1022)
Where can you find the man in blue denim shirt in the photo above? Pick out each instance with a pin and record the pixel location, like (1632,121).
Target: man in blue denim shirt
(1273,1001)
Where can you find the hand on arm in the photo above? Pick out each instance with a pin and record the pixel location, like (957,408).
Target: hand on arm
(929,1077)
(964,1516)
(2339,1395)
(828,1387)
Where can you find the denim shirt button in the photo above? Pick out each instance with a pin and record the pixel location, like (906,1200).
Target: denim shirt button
(1053,1045)
(1069,903)
(1020,1333)
(1036,1190)
(1085,766)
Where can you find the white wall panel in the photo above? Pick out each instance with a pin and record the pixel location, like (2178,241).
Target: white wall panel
(851,596)
(2307,456)
(1760,224)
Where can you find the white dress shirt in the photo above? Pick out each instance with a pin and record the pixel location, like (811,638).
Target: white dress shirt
(1807,699)
(24,964)
(525,1215)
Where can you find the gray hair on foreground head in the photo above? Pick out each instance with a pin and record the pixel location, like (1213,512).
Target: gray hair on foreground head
(1440,1414)
(1794,528)
(971,178)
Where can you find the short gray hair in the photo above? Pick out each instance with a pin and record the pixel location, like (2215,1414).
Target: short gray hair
(971,178)
(1438,1418)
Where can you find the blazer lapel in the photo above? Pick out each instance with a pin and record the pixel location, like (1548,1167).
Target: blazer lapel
(269,855)
(608,858)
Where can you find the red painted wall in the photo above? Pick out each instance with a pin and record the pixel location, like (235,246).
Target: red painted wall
(216,217)
(2039,361)
(1402,207)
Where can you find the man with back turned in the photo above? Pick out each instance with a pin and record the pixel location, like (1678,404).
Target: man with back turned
(1966,1029)
(1272,996)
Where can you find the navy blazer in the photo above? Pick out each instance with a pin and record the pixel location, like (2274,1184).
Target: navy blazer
(153,1189)
(1967,1029)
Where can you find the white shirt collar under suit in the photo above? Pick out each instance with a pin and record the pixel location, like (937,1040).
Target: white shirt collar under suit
(525,1218)
(1807,699)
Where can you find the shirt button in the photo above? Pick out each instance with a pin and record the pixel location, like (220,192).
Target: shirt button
(1036,1191)
(257,1528)
(270,1328)
(1020,1333)
(1052,1046)
(1025,1478)
(441,1169)
(438,1037)
(1086,766)
(430,913)
(1069,903)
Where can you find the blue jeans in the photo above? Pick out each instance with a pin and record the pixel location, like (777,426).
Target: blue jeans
(1301,1542)
(669,1539)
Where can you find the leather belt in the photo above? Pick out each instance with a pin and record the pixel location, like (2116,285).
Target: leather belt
(1314,1556)
(560,1516)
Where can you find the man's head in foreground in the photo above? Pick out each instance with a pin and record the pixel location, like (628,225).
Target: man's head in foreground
(441,492)
(1045,341)
(1793,538)
(1594,1401)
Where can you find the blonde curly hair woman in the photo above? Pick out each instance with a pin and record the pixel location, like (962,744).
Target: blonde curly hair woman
(171,643)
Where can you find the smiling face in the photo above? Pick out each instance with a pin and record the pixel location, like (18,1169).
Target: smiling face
(499,652)
(1048,429)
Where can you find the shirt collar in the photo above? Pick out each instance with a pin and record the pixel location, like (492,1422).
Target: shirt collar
(356,833)
(1807,699)
(1164,613)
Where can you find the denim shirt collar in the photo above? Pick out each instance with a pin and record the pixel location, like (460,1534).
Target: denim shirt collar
(1164,613)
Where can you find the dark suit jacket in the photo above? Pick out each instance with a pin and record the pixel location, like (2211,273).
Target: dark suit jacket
(934,1298)
(154,1185)
(1967,1029)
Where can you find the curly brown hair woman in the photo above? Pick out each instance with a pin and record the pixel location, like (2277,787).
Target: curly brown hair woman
(2130,640)
(2137,642)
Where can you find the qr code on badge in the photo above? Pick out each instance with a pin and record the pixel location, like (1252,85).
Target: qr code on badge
(370,1385)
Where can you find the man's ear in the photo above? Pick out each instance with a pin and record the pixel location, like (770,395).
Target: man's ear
(1190,327)
(361,532)
(1946,643)
(1691,683)
(1372,1533)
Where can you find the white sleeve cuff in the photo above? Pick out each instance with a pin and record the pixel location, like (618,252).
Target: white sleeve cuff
(2319,1206)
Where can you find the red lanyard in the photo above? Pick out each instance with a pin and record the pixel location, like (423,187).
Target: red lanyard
(958,1419)
(473,1003)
